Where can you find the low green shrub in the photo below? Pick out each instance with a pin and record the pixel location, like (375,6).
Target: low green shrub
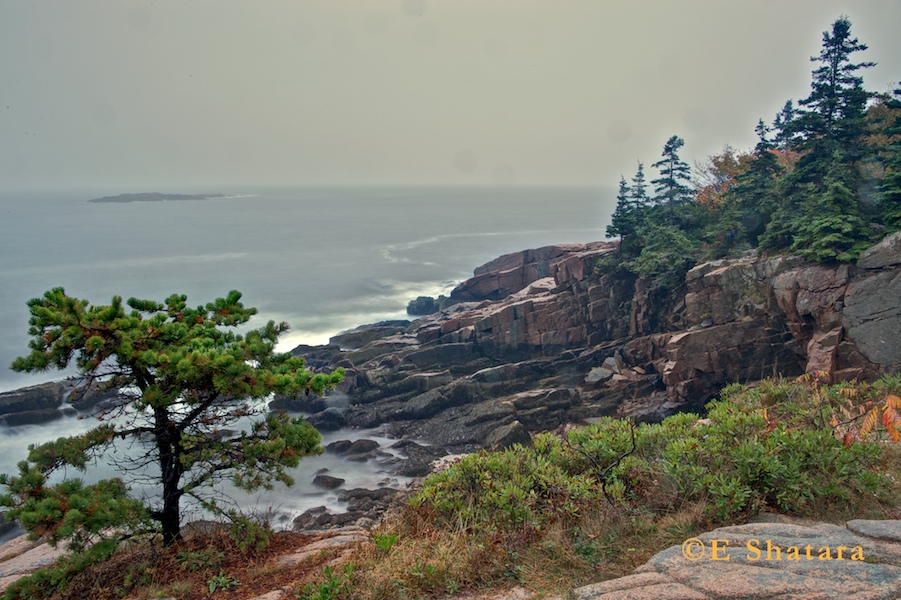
(769,447)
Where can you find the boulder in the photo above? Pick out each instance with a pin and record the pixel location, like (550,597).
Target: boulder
(859,565)
(327,481)
(364,334)
(506,436)
(886,253)
(872,318)
(46,396)
(423,305)
(330,419)
(31,417)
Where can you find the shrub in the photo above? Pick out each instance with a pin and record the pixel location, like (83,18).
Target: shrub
(770,447)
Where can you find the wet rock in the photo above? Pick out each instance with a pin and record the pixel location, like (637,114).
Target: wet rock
(417,458)
(330,419)
(327,481)
(37,403)
(31,417)
(347,447)
(308,518)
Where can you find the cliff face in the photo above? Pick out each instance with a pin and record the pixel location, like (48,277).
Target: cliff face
(536,339)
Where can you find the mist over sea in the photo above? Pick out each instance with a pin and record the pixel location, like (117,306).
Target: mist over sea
(322,259)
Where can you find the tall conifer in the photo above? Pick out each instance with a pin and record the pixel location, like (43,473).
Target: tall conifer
(672,188)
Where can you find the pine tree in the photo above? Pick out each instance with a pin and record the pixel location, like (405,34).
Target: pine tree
(184,378)
(671,188)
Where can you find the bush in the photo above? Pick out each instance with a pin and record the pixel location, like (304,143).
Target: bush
(763,448)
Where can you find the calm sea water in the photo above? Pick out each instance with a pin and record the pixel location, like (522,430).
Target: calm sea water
(323,260)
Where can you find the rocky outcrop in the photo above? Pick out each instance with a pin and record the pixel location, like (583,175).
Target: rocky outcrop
(35,404)
(537,339)
(49,401)
(769,560)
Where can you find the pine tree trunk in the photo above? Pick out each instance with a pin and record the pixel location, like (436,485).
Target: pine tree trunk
(169,517)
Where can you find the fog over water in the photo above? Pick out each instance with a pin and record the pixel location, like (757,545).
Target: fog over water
(321,259)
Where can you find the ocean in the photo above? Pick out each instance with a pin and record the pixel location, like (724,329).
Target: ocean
(322,259)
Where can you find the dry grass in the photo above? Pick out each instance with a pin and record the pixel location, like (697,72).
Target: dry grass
(145,570)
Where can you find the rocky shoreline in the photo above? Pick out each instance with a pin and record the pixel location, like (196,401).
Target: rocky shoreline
(536,340)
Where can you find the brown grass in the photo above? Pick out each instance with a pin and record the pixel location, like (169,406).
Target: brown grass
(145,570)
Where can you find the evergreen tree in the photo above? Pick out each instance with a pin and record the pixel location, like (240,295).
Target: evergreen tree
(184,379)
(832,229)
(830,128)
(890,188)
(754,191)
(837,102)
(784,126)
(639,193)
(622,222)
(671,188)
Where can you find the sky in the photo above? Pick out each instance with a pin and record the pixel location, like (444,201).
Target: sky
(154,95)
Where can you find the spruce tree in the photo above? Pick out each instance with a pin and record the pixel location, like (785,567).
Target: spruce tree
(622,222)
(184,380)
(832,229)
(829,128)
(639,190)
(754,191)
(836,106)
(672,188)
(890,188)
(784,125)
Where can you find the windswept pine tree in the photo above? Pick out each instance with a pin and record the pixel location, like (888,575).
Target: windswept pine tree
(184,378)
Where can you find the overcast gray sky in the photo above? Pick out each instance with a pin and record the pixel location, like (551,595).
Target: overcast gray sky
(153,95)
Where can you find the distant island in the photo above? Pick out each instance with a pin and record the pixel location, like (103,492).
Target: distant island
(155,197)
